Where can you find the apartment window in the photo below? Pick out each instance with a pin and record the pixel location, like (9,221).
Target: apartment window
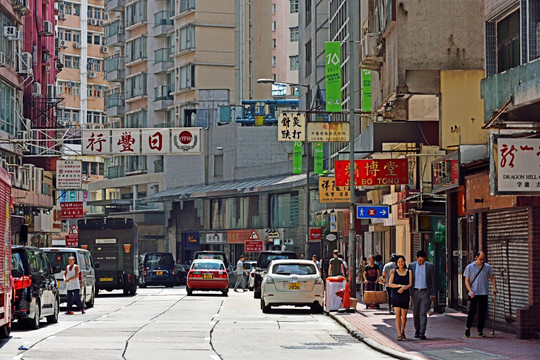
(274,26)
(294,34)
(96,91)
(67,34)
(69,88)
(186,38)
(97,13)
(186,77)
(136,49)
(186,5)
(67,8)
(76,9)
(136,86)
(218,166)
(308,11)
(293,6)
(284,210)
(7,108)
(94,64)
(76,61)
(293,60)
(308,57)
(67,61)
(274,43)
(508,42)
(76,36)
(136,120)
(136,13)
(274,8)
(274,61)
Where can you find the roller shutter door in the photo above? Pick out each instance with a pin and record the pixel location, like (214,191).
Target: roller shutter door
(508,255)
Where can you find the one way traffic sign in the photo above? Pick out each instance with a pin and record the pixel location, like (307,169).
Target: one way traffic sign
(372,212)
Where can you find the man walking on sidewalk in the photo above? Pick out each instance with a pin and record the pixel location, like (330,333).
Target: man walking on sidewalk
(240,274)
(423,292)
(478,288)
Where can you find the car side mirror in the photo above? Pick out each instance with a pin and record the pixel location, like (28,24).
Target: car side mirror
(96,265)
(57,269)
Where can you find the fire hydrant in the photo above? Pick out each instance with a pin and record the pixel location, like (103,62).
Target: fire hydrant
(345,295)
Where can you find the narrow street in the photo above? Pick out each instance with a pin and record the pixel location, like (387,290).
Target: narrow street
(160,323)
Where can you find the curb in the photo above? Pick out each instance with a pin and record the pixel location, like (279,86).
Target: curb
(370,342)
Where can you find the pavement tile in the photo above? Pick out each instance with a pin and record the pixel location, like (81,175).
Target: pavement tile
(445,333)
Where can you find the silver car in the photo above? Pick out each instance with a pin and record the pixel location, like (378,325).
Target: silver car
(292,282)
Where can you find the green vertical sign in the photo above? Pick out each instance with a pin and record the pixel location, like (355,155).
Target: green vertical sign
(297,157)
(333,76)
(318,165)
(366,90)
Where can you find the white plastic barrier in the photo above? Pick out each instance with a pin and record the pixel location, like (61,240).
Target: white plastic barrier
(332,302)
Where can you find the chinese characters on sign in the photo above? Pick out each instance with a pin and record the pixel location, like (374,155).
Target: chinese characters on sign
(373,172)
(68,174)
(291,127)
(71,210)
(328,131)
(445,173)
(162,141)
(329,192)
(518,165)
(253,246)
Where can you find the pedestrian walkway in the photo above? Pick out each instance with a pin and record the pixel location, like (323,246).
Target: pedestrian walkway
(445,337)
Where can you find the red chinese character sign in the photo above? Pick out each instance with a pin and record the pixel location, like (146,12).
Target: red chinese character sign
(373,172)
(71,210)
(126,141)
(96,142)
(155,141)
(517,164)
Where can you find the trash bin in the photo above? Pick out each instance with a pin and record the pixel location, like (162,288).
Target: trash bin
(332,302)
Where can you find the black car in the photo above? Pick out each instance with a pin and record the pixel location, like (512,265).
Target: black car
(35,292)
(180,273)
(261,268)
(157,269)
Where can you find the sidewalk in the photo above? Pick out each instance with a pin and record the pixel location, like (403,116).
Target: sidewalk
(445,333)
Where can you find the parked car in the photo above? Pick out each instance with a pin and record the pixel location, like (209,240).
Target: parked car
(35,293)
(87,274)
(157,269)
(209,254)
(248,266)
(207,275)
(265,258)
(292,282)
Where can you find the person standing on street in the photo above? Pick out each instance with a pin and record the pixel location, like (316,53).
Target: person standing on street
(479,271)
(400,281)
(240,274)
(317,263)
(423,292)
(345,267)
(388,267)
(335,266)
(73,286)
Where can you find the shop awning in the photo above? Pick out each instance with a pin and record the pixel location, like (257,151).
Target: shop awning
(228,188)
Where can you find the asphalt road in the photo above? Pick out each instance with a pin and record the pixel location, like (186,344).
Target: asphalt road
(160,323)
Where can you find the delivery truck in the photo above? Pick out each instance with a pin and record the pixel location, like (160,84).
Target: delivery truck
(5,253)
(113,243)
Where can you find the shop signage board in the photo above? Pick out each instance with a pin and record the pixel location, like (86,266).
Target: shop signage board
(369,211)
(291,127)
(445,173)
(163,141)
(330,193)
(373,172)
(71,210)
(517,165)
(72,240)
(328,131)
(297,157)
(333,76)
(68,174)
(315,234)
(213,238)
(253,246)
(366,90)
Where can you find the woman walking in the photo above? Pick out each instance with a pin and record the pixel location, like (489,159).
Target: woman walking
(400,282)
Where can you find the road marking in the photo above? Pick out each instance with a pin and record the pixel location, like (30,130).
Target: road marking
(215,357)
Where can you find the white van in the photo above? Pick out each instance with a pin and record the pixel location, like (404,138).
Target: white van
(58,256)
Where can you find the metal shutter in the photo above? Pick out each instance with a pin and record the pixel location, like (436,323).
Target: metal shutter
(508,255)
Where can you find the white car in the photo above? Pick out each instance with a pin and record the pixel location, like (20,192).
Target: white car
(292,282)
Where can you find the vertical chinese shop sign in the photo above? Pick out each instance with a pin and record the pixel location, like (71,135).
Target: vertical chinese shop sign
(297,157)
(333,76)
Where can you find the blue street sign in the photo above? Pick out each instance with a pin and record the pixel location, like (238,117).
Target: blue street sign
(372,212)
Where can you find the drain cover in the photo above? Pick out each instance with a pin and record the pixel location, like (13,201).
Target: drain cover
(460,354)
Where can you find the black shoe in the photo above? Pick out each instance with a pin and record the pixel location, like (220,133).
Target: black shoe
(235,290)
(481,335)
(467,332)
(416,335)
(423,337)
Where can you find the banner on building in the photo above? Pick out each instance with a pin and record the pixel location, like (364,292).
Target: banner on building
(366,90)
(72,210)
(333,76)
(297,157)
(318,158)
(328,131)
(68,174)
(163,141)
(516,163)
(330,193)
(292,127)
(373,172)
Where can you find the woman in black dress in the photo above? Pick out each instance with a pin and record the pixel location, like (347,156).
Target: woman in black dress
(400,282)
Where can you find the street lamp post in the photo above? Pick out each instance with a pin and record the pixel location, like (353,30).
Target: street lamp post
(308,148)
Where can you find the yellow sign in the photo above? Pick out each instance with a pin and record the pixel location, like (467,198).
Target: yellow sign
(328,131)
(330,193)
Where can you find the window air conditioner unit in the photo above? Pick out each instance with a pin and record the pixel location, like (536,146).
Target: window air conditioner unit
(47,27)
(104,49)
(62,43)
(369,45)
(25,63)
(11,32)
(92,75)
(77,45)
(101,22)
(94,22)
(36,89)
(61,16)
(2,59)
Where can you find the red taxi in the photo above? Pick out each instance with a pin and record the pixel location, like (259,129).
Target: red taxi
(207,275)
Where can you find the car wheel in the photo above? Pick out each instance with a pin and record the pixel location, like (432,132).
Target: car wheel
(225,292)
(53,319)
(189,291)
(265,308)
(132,290)
(5,331)
(92,300)
(316,308)
(257,294)
(33,323)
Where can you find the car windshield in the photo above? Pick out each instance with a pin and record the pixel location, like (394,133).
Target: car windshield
(17,268)
(210,265)
(211,256)
(294,269)
(60,258)
(266,259)
(159,259)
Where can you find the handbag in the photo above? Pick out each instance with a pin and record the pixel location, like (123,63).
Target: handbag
(472,282)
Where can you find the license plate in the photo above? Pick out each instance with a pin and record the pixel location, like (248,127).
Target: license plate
(106,279)
(159,272)
(294,286)
(208,276)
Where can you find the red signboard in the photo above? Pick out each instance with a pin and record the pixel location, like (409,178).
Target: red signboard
(253,246)
(72,210)
(373,172)
(72,240)
(315,234)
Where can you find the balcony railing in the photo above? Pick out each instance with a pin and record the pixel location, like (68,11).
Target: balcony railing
(162,55)
(162,92)
(163,18)
(113,172)
(113,100)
